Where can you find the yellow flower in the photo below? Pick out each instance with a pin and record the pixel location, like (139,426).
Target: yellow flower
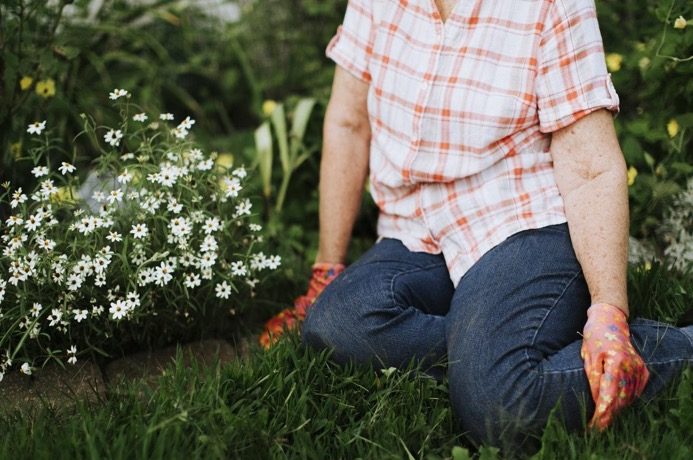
(673,127)
(25,82)
(16,150)
(632,174)
(45,88)
(644,63)
(648,266)
(64,194)
(613,62)
(268,107)
(224,160)
(680,23)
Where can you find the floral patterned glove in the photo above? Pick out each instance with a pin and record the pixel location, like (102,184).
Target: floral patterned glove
(616,373)
(289,318)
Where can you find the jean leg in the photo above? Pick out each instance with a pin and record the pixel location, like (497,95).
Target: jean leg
(514,343)
(387,309)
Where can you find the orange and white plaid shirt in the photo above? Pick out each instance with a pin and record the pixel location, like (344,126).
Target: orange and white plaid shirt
(461,113)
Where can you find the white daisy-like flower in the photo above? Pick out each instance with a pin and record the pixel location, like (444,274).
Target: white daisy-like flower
(274,262)
(139,231)
(174,206)
(33,221)
(118,309)
(223,290)
(80,315)
(40,171)
(14,220)
(96,310)
(117,94)
(55,317)
(205,165)
(99,196)
(36,128)
(240,172)
(72,350)
(124,177)
(25,369)
(186,124)
(113,137)
(211,225)
(46,244)
(66,168)
(192,280)
(114,237)
(17,198)
(243,208)
(72,360)
(115,195)
(36,309)
(232,187)
(141,117)
(255,227)
(180,133)
(238,268)
(166,116)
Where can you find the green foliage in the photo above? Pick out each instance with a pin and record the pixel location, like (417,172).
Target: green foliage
(651,64)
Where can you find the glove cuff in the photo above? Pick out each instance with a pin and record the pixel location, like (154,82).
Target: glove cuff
(608,309)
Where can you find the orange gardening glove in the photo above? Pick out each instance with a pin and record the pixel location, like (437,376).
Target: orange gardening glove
(615,371)
(289,318)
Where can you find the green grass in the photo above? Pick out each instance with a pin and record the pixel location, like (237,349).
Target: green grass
(292,402)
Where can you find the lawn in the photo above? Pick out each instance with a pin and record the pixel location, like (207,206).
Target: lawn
(293,402)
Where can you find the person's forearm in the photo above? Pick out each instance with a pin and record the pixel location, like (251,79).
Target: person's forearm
(343,171)
(597,213)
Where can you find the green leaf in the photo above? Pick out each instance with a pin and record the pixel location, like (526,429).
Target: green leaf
(263,146)
(279,123)
(460,453)
(488,453)
(685,120)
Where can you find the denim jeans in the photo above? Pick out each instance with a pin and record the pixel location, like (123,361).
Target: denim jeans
(509,334)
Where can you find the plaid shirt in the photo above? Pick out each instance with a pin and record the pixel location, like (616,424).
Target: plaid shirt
(461,113)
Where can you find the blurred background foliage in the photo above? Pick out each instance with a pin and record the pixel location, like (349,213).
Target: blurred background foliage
(61,58)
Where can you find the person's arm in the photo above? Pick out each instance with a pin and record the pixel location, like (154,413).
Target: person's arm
(344,164)
(591,176)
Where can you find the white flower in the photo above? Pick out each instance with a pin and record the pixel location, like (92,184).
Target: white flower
(141,117)
(118,309)
(127,156)
(205,165)
(223,290)
(99,196)
(124,177)
(72,360)
(36,309)
(243,208)
(180,133)
(117,93)
(192,280)
(114,237)
(113,137)
(25,369)
(80,315)
(46,244)
(33,221)
(96,310)
(72,350)
(66,168)
(255,227)
(180,227)
(209,244)
(168,174)
(36,128)
(17,198)
(163,274)
(39,171)
(174,206)
(238,269)
(55,317)
(166,116)
(240,172)
(115,195)
(186,124)
(139,231)
(211,225)
(232,187)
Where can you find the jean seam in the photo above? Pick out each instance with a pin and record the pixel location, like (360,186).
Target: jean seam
(406,272)
(582,369)
(548,312)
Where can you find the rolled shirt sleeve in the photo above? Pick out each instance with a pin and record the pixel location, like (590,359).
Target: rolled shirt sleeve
(352,46)
(572,79)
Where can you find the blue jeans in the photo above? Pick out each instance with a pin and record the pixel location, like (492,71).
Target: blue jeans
(509,334)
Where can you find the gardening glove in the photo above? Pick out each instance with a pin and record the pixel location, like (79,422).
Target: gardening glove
(289,318)
(616,373)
